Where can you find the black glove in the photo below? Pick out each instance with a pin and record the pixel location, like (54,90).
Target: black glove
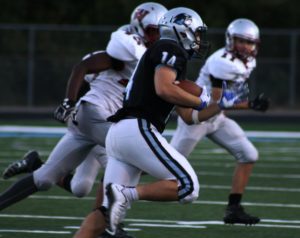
(64,110)
(260,103)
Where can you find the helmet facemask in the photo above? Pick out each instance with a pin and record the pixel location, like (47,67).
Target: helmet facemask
(243,48)
(242,39)
(194,42)
(200,46)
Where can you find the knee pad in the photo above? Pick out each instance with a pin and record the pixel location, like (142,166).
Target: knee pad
(43,184)
(45,177)
(82,188)
(249,156)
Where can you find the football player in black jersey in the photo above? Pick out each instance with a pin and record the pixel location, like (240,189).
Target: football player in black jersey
(134,142)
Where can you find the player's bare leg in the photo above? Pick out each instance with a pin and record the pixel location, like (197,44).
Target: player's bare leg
(241,177)
(164,190)
(93,225)
(90,227)
(120,197)
(99,195)
(234,211)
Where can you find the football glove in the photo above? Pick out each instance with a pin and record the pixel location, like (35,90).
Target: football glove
(231,97)
(63,112)
(205,98)
(259,103)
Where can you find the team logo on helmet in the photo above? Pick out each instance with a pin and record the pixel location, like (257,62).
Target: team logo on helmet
(140,14)
(183,19)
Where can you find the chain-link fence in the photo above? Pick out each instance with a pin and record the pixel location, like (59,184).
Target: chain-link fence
(36,61)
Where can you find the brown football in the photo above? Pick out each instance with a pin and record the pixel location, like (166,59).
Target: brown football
(189,86)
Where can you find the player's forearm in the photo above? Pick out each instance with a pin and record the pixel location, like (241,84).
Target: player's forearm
(94,63)
(181,98)
(75,82)
(191,116)
(241,105)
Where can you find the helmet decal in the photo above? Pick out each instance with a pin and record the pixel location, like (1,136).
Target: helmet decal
(183,19)
(144,20)
(140,14)
(185,26)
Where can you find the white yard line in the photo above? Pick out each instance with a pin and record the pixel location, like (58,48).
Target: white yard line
(281,205)
(228,164)
(150,223)
(258,175)
(254,204)
(254,188)
(25,216)
(34,231)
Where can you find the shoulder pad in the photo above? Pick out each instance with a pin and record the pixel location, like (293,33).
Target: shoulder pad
(125,46)
(222,66)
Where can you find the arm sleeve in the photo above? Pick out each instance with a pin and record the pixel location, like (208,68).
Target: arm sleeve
(125,47)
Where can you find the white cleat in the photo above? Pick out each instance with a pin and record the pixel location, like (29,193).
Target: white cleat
(117,206)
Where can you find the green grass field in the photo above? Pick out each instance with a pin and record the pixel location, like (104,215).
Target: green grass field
(273,194)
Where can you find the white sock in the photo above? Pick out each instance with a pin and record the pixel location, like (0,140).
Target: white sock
(131,194)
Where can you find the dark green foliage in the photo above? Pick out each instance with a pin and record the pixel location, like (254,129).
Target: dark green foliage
(267,13)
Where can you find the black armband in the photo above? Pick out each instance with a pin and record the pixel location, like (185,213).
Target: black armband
(102,209)
(117,64)
(215,82)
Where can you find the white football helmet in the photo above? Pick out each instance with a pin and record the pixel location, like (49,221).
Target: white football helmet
(145,18)
(186,27)
(244,29)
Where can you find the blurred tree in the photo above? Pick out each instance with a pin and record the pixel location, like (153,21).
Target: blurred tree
(267,13)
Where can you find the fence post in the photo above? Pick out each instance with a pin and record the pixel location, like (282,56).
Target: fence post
(292,78)
(30,66)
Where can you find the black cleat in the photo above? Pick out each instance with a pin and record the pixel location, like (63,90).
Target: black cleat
(120,233)
(30,162)
(236,214)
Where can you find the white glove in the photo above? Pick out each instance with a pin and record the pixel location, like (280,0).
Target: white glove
(205,98)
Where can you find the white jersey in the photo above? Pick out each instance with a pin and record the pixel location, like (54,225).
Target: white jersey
(108,86)
(220,65)
(224,66)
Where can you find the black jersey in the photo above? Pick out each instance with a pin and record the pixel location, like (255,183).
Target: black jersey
(141,100)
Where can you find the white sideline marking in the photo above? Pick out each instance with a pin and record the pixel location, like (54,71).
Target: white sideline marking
(33,129)
(33,231)
(62,130)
